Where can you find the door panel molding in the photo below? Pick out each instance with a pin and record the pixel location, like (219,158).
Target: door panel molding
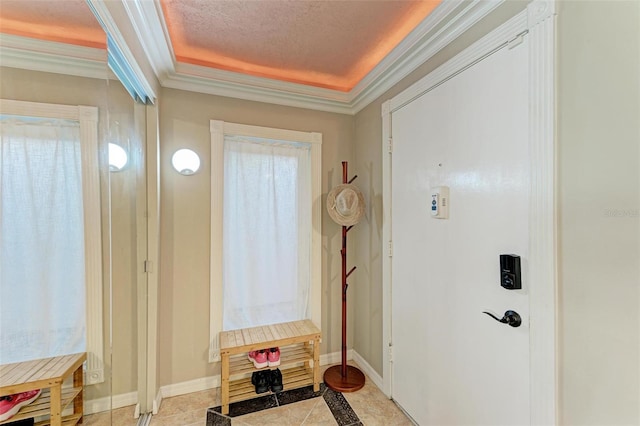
(543,247)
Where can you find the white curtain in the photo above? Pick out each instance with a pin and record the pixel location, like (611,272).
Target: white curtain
(267,231)
(42,291)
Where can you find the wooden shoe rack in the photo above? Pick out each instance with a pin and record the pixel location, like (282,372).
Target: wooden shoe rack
(299,343)
(47,374)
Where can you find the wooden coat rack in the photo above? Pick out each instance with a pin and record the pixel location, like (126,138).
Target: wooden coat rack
(344,378)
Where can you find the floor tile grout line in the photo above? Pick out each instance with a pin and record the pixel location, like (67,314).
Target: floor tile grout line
(311,411)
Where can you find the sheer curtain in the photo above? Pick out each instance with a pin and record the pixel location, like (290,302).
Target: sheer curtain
(42,288)
(267,231)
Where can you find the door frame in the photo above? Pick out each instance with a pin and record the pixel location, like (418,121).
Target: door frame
(537,22)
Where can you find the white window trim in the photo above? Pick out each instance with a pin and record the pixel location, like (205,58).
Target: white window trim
(87,116)
(218,131)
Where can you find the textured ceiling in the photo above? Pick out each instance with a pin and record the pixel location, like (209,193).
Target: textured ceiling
(320,43)
(330,44)
(65,21)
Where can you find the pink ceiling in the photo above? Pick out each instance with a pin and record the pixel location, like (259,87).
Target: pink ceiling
(66,21)
(330,44)
(323,43)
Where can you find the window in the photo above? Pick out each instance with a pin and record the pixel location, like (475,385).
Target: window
(265,227)
(50,245)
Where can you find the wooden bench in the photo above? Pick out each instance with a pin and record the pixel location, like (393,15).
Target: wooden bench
(299,343)
(47,374)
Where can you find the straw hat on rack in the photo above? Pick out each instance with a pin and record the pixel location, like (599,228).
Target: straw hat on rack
(345,204)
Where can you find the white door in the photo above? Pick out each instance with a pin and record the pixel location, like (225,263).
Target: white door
(453,364)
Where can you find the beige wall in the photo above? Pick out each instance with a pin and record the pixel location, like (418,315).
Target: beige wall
(599,219)
(185,216)
(367,289)
(115,105)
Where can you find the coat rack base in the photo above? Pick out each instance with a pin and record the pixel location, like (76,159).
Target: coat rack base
(353,381)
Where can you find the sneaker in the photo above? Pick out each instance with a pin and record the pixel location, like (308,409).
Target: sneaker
(273,357)
(260,379)
(259,358)
(275,380)
(11,404)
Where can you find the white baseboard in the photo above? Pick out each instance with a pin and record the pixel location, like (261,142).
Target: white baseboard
(190,386)
(335,357)
(352,355)
(105,404)
(368,370)
(182,388)
(156,403)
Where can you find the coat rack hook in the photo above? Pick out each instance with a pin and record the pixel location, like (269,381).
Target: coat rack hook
(349,273)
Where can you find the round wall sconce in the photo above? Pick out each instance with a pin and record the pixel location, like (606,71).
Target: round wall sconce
(117,157)
(185,161)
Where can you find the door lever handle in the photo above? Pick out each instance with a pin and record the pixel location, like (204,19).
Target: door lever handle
(510,317)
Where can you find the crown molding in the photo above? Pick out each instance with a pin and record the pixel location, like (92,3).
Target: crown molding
(109,14)
(253,82)
(272,91)
(225,83)
(148,22)
(445,24)
(49,56)
(448,21)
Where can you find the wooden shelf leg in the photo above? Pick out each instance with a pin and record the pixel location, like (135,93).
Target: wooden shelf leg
(316,365)
(224,385)
(56,404)
(78,401)
(307,346)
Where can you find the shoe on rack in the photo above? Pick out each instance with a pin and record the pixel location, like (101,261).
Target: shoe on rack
(273,357)
(11,404)
(260,379)
(275,380)
(259,358)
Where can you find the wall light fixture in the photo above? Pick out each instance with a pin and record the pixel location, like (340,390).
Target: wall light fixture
(185,161)
(117,157)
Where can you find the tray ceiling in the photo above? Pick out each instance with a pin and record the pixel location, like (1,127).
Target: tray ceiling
(64,21)
(330,44)
(323,54)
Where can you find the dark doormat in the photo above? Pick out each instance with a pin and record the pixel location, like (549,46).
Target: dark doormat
(340,408)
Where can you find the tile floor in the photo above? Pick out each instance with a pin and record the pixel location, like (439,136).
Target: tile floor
(370,405)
